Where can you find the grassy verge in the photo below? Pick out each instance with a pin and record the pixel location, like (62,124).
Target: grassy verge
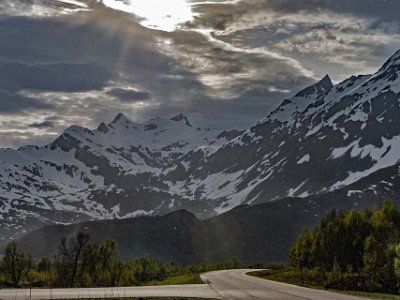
(286,276)
(292,277)
(151,298)
(372,295)
(178,280)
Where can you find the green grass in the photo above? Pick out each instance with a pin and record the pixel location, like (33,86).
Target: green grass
(286,276)
(292,277)
(178,280)
(150,298)
(371,295)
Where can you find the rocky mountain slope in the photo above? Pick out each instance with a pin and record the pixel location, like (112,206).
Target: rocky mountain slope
(109,172)
(324,138)
(327,138)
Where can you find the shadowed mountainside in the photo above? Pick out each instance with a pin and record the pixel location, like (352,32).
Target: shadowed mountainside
(258,233)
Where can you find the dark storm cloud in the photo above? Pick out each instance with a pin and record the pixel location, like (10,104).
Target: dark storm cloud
(66,77)
(349,37)
(46,54)
(44,124)
(128,95)
(385,9)
(233,113)
(11,103)
(227,70)
(248,56)
(218,15)
(86,53)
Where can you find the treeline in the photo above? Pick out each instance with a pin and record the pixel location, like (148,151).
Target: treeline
(79,263)
(352,250)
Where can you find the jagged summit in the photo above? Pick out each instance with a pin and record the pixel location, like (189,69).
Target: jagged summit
(389,71)
(393,60)
(287,110)
(325,84)
(103,127)
(181,117)
(121,118)
(76,131)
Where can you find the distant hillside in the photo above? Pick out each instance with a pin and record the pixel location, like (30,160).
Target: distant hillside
(256,233)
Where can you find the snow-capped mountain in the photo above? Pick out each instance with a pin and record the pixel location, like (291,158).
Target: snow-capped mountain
(327,138)
(324,138)
(109,172)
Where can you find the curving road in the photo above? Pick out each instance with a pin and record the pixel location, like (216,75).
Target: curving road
(235,284)
(228,284)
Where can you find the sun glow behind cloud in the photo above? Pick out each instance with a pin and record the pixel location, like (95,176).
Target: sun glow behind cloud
(156,14)
(189,55)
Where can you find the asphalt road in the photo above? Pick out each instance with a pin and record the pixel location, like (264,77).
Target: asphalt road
(229,284)
(192,290)
(235,284)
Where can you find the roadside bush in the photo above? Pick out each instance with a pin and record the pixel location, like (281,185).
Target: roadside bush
(80,263)
(352,250)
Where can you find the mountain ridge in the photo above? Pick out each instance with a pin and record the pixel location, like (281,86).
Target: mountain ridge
(325,138)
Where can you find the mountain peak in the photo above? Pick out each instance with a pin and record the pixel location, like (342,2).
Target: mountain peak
(103,127)
(76,129)
(181,117)
(120,118)
(325,84)
(393,60)
(395,56)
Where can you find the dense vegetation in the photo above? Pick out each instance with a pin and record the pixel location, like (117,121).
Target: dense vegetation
(351,250)
(79,263)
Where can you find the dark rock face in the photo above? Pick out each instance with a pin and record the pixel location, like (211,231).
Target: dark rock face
(324,139)
(322,86)
(180,118)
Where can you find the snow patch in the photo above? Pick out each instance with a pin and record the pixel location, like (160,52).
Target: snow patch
(304,159)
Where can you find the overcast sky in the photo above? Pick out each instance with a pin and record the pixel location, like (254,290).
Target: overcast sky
(223,63)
